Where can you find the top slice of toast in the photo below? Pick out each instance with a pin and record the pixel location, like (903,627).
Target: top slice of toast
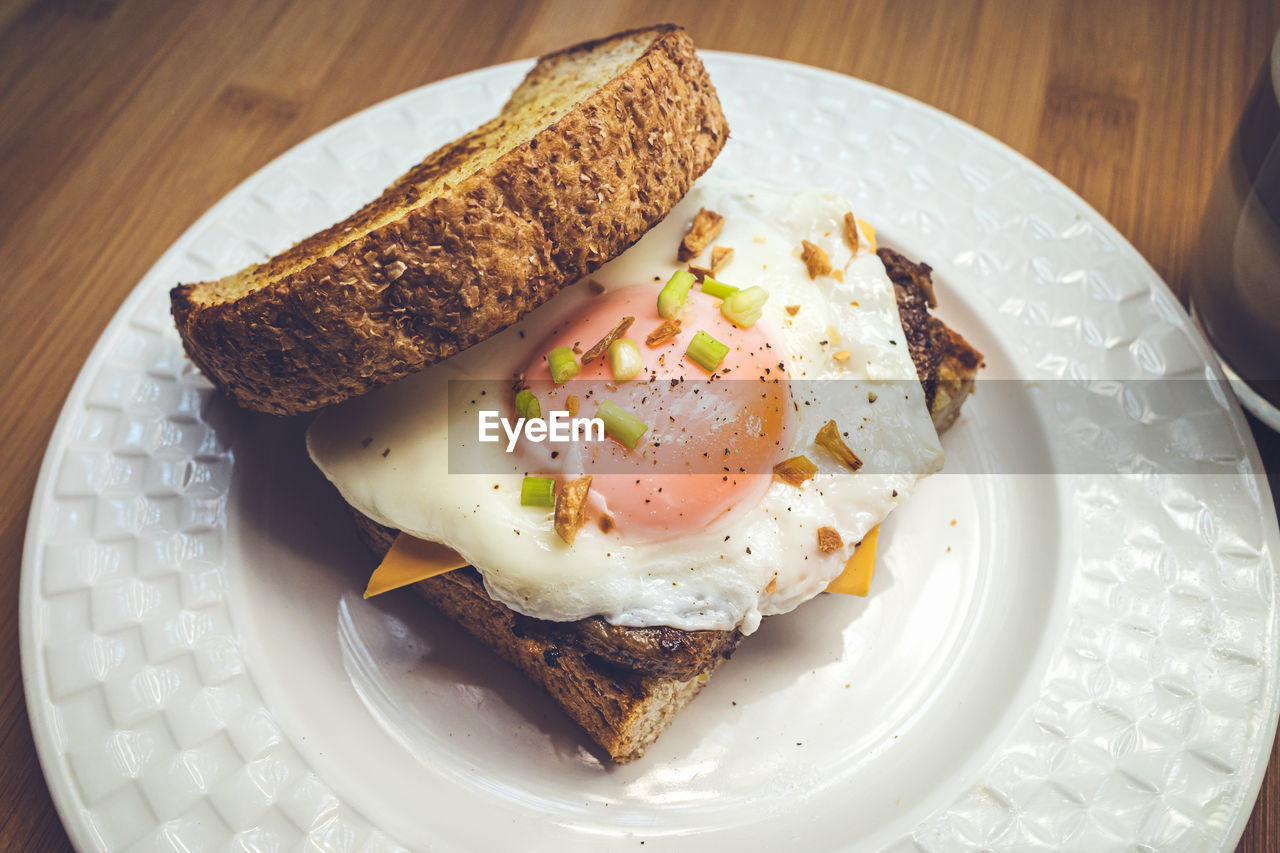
(594,147)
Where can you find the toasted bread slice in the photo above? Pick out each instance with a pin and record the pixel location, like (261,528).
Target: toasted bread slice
(946,363)
(596,145)
(624,710)
(625,685)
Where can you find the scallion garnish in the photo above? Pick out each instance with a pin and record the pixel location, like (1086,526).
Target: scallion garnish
(538,491)
(624,359)
(621,424)
(718,289)
(564,365)
(706,351)
(674,293)
(743,308)
(527,405)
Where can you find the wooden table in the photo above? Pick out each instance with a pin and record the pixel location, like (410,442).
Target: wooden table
(121,122)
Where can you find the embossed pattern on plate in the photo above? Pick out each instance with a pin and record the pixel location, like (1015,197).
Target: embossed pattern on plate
(1158,702)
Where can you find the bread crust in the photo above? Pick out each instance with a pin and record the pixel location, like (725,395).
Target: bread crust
(475,258)
(946,364)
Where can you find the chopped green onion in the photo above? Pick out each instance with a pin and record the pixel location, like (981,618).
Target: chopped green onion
(538,491)
(674,293)
(564,365)
(621,424)
(527,405)
(743,307)
(706,351)
(718,289)
(624,359)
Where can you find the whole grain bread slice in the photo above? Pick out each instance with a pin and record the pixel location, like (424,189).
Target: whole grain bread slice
(624,686)
(946,363)
(595,146)
(624,710)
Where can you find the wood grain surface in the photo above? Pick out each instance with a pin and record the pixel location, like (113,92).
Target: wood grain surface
(121,122)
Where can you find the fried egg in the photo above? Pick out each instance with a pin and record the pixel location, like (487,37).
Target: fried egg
(689,528)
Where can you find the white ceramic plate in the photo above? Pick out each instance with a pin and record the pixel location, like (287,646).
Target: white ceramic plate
(1079,660)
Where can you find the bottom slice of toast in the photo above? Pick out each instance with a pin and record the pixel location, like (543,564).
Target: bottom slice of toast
(624,686)
(623,710)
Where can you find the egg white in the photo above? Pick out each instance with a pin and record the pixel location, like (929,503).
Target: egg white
(714,578)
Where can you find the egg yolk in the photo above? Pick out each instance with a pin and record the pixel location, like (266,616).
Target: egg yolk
(712,439)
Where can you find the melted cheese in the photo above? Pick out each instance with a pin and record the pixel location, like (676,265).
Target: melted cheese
(856,577)
(411,560)
(868,232)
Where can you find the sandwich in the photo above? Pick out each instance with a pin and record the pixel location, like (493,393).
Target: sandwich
(765,382)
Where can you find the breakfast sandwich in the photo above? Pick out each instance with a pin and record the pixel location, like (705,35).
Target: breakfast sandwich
(605,411)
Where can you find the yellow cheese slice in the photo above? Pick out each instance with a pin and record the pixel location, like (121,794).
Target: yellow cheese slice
(870,232)
(411,560)
(856,577)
